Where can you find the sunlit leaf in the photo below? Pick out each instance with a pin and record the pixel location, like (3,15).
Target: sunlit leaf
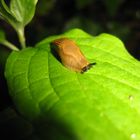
(101,104)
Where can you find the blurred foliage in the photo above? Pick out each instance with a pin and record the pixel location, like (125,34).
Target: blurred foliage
(122,33)
(82,3)
(85,24)
(112,6)
(117,17)
(44,7)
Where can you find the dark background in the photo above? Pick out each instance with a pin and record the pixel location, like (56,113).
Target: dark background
(118,17)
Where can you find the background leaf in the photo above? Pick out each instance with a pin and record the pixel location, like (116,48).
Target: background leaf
(20,12)
(23,10)
(103,103)
(6,14)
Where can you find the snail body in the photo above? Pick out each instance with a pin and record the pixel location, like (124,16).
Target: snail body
(71,56)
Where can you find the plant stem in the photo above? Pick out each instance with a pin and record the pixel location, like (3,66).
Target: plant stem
(21,37)
(10,45)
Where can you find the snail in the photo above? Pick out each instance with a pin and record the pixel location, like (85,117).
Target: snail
(71,55)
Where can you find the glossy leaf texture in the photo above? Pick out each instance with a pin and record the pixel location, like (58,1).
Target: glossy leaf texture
(102,103)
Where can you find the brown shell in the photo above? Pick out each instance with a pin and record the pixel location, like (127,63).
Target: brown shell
(71,56)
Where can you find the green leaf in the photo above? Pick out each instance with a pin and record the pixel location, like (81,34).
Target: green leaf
(18,15)
(6,14)
(20,12)
(23,10)
(4,7)
(102,103)
(5,42)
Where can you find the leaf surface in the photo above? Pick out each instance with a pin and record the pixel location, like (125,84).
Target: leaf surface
(23,10)
(102,103)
